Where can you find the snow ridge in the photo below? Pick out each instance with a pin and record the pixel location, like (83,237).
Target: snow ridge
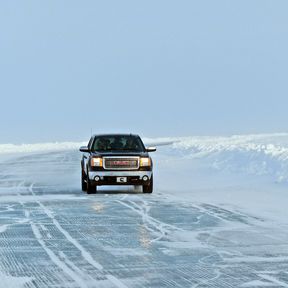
(265,154)
(262,154)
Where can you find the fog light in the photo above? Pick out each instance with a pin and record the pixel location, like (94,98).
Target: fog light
(145,178)
(97,178)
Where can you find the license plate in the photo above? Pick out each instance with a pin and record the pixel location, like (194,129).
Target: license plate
(121,179)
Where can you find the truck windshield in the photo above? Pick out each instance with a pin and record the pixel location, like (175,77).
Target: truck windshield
(118,143)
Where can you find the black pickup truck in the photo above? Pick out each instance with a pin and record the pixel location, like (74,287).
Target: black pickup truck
(116,159)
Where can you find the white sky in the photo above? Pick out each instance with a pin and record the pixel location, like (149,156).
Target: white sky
(157,68)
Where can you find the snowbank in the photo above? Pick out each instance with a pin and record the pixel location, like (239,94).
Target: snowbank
(248,154)
(263,154)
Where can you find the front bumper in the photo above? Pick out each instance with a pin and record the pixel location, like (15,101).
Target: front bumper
(109,177)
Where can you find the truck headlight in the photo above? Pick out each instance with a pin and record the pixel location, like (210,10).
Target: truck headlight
(145,161)
(97,162)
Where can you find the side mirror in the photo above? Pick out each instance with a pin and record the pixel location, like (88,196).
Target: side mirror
(84,149)
(151,149)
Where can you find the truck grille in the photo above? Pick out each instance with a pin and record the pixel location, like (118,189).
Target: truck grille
(121,163)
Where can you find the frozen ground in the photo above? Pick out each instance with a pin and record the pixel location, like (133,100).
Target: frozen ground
(217,218)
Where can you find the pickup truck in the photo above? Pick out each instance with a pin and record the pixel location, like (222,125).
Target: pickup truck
(116,159)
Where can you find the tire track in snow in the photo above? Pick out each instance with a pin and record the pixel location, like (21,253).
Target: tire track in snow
(85,254)
(273,280)
(53,257)
(157,226)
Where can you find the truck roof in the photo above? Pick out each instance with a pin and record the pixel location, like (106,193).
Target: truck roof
(115,134)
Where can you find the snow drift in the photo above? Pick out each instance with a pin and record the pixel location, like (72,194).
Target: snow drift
(263,154)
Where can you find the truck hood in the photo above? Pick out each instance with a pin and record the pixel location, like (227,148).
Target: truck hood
(120,153)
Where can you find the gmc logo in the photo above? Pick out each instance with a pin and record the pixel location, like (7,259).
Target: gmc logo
(120,163)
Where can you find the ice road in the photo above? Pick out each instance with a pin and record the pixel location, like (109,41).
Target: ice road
(217,218)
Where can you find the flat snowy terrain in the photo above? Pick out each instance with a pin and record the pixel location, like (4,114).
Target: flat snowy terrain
(217,217)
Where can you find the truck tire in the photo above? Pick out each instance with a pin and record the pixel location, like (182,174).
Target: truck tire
(90,188)
(83,181)
(148,188)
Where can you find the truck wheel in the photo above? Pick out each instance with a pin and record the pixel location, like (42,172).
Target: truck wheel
(148,188)
(83,180)
(90,188)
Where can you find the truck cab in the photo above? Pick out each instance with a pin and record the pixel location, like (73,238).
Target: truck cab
(116,159)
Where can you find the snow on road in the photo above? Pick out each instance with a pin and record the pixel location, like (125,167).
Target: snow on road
(217,218)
